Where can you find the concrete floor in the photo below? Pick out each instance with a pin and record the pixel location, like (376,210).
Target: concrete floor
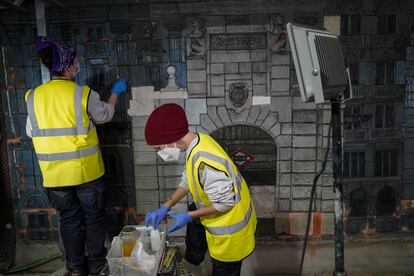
(367,257)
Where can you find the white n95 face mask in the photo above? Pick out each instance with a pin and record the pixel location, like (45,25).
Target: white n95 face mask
(169,154)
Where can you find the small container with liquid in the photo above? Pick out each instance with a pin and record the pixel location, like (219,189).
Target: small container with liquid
(129,236)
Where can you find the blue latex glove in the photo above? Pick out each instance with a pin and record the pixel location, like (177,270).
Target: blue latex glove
(181,220)
(119,86)
(156,216)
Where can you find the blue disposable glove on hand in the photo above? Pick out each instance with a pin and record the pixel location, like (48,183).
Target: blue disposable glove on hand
(181,220)
(119,86)
(156,216)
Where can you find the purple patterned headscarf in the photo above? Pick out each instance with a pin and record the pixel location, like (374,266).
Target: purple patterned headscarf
(63,53)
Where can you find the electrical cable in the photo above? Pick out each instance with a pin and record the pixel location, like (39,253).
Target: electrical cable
(315,180)
(31,265)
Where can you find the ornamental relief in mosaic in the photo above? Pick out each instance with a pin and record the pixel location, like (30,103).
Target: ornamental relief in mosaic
(196,39)
(277,33)
(238,97)
(238,94)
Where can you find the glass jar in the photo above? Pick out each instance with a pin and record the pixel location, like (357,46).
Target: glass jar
(129,236)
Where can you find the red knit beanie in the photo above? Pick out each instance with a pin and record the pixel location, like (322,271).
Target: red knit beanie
(166,124)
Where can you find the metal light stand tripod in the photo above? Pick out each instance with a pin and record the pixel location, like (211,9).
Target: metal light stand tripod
(338,199)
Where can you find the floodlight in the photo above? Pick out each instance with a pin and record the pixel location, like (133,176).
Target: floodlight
(322,75)
(319,64)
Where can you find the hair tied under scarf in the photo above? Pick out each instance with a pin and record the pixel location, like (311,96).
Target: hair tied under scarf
(63,53)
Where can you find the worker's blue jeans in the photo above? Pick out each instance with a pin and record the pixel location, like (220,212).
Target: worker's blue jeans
(82,223)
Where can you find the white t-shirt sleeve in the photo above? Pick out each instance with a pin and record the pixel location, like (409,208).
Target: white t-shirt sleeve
(100,111)
(218,187)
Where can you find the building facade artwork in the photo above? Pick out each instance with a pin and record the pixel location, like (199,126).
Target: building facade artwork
(374,48)
(229,65)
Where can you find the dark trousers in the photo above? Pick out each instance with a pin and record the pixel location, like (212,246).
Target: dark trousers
(196,248)
(82,223)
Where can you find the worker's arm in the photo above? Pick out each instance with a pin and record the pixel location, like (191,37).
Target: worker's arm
(100,111)
(178,194)
(103,112)
(113,99)
(219,189)
(205,211)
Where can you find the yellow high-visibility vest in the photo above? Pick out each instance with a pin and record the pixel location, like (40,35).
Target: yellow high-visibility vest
(64,138)
(230,235)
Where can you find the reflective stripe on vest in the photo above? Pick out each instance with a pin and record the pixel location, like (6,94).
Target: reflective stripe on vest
(67,155)
(230,229)
(78,130)
(237,179)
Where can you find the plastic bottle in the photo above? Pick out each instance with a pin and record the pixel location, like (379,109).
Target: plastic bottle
(155,240)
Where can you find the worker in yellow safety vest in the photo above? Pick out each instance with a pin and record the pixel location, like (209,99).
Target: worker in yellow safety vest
(222,217)
(61,121)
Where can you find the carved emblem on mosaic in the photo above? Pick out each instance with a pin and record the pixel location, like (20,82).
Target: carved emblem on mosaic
(196,39)
(277,33)
(238,94)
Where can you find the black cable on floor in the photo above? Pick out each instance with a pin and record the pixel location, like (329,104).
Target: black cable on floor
(315,180)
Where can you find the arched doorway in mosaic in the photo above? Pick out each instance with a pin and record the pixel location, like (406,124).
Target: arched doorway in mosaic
(252,150)
(255,153)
